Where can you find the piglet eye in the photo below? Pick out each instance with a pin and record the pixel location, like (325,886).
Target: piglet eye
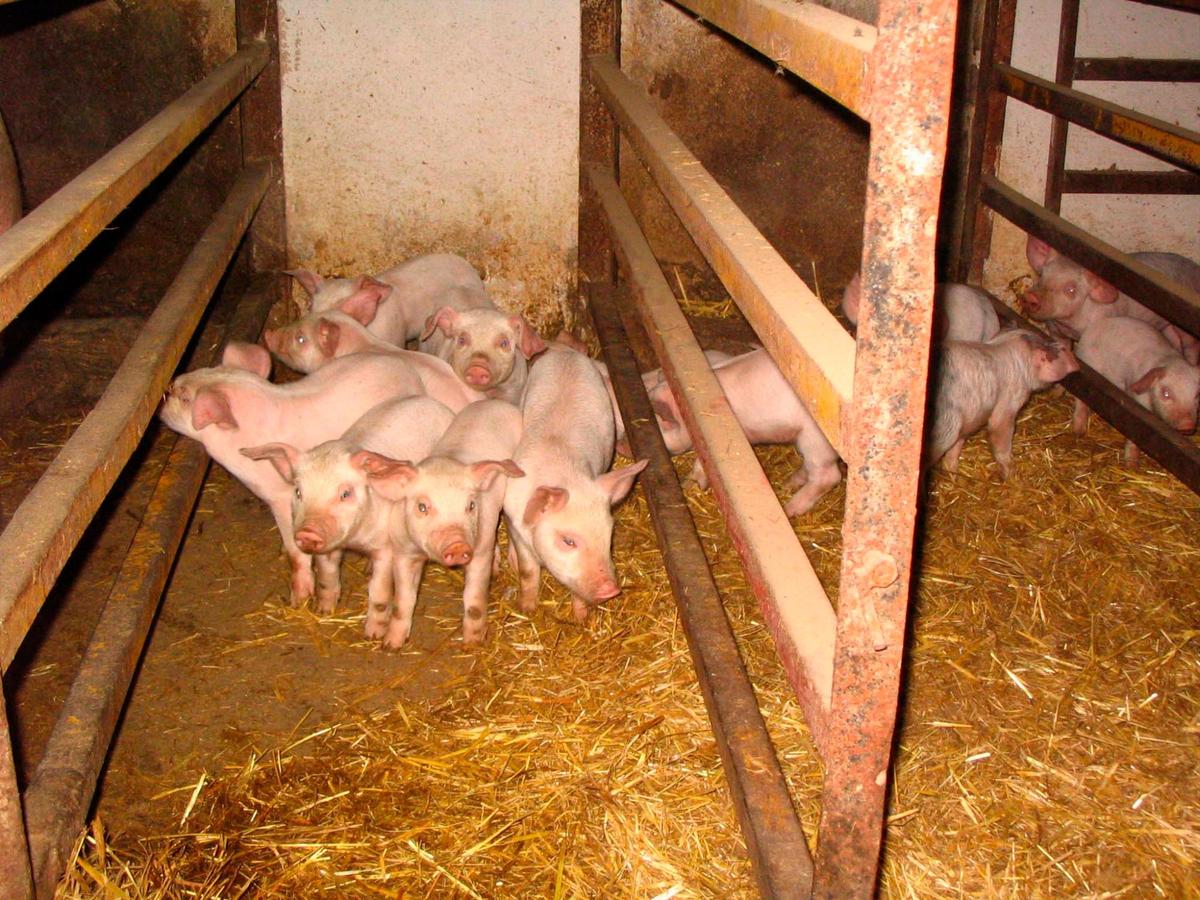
(347,494)
(297,493)
(1070,290)
(471,506)
(462,340)
(300,339)
(1166,393)
(422,508)
(505,343)
(568,541)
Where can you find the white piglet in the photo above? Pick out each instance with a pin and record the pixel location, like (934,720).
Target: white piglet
(448,506)
(488,349)
(1141,360)
(233,406)
(560,513)
(770,413)
(333,505)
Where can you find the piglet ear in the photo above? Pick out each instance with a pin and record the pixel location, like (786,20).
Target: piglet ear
(619,482)
(363,304)
(487,471)
(1099,290)
(210,406)
(329,334)
(1147,381)
(309,280)
(250,357)
(444,319)
(388,477)
(667,415)
(528,340)
(544,500)
(282,456)
(1038,252)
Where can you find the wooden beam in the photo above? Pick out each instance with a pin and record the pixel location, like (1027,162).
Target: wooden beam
(47,525)
(794,604)
(1161,139)
(43,243)
(1170,299)
(813,351)
(829,50)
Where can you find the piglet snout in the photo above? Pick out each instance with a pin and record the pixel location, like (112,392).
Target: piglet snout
(456,554)
(605,589)
(310,540)
(1031,302)
(478,374)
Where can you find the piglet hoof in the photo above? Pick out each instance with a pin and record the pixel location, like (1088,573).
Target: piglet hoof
(797,479)
(798,506)
(580,609)
(327,603)
(1057,391)
(1005,471)
(473,637)
(298,600)
(375,628)
(397,635)
(1133,455)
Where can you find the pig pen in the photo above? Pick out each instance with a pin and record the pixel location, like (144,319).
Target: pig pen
(1047,739)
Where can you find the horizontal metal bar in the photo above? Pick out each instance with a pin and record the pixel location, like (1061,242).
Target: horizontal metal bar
(1127,68)
(1181,5)
(60,792)
(794,604)
(774,838)
(829,50)
(50,520)
(1125,181)
(1167,297)
(1173,451)
(43,243)
(813,351)
(1172,143)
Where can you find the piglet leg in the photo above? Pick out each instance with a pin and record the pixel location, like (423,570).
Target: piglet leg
(329,583)
(407,569)
(529,572)
(1000,436)
(303,586)
(379,595)
(1079,418)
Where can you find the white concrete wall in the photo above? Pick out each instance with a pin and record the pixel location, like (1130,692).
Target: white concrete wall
(420,125)
(1106,28)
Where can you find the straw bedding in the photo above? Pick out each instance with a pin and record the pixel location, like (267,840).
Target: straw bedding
(1048,744)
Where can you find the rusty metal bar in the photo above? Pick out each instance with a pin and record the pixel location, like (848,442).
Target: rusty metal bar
(50,520)
(15,878)
(1161,139)
(1181,5)
(774,838)
(599,144)
(1125,68)
(813,351)
(986,130)
(794,604)
(1173,451)
(60,792)
(829,50)
(1124,181)
(1068,29)
(1167,297)
(43,243)
(914,63)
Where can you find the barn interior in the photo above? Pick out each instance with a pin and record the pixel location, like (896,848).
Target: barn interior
(1047,725)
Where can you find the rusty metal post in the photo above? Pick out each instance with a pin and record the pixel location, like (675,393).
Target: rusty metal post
(987,128)
(1068,29)
(910,79)
(600,32)
(15,878)
(261,120)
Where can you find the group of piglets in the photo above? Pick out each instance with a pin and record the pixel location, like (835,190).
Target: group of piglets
(407,456)
(1133,347)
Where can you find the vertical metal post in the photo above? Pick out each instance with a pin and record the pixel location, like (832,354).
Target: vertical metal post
(986,130)
(1064,73)
(600,32)
(910,78)
(261,118)
(16,878)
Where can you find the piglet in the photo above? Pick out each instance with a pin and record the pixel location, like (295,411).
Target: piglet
(560,514)
(334,506)
(1141,361)
(448,507)
(488,349)
(312,342)
(988,383)
(770,413)
(960,312)
(404,296)
(1073,299)
(233,406)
